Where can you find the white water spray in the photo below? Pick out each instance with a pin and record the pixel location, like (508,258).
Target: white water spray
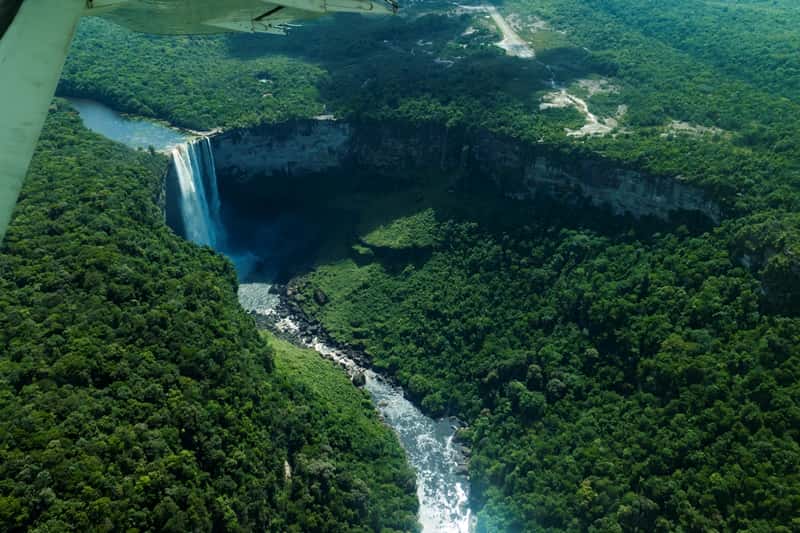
(194,166)
(211,173)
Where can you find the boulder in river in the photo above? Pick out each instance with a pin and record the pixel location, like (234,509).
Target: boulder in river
(359,379)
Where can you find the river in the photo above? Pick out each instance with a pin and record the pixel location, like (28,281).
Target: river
(131,131)
(428,443)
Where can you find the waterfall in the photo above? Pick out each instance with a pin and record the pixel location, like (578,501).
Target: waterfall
(200,212)
(211,173)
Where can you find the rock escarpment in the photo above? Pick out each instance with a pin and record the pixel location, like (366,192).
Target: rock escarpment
(400,150)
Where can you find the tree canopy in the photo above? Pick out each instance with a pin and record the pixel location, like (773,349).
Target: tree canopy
(616,374)
(135,393)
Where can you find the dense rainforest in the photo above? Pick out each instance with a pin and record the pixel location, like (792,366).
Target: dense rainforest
(136,395)
(615,374)
(612,381)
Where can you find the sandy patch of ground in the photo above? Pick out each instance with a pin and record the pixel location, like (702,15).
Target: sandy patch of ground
(597,86)
(529,23)
(677,127)
(594,125)
(512,43)
(446,63)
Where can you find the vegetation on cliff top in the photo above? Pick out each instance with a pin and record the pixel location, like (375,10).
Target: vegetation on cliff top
(135,394)
(462,78)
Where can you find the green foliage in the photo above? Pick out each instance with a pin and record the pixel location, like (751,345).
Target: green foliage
(136,395)
(611,382)
(361,66)
(706,63)
(191,82)
(415,231)
(363,454)
(614,380)
(752,40)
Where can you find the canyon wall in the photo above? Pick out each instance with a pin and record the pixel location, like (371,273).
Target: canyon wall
(520,170)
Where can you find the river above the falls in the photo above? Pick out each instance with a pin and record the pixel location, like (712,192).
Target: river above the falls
(131,131)
(429,444)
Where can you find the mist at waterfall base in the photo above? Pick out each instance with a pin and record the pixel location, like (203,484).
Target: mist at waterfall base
(265,248)
(261,248)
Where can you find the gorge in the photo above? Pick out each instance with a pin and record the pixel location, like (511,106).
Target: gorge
(580,244)
(429,443)
(193,210)
(234,192)
(282,191)
(265,174)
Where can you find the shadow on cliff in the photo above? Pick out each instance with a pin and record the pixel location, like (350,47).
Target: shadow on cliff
(373,62)
(326,221)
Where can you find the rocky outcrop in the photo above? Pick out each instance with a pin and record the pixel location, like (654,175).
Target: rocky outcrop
(624,191)
(286,149)
(523,171)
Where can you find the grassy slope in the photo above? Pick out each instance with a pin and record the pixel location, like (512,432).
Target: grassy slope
(368,451)
(345,405)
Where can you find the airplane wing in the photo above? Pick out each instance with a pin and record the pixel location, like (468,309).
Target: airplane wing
(176,17)
(32,53)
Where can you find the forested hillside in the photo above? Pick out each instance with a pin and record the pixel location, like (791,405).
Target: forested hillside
(752,40)
(136,395)
(616,374)
(611,381)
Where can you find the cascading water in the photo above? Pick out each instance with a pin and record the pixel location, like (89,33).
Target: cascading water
(210,172)
(194,167)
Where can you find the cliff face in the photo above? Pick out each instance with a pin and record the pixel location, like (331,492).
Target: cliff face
(287,149)
(521,171)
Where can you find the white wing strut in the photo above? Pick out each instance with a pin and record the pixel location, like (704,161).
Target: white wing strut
(32,54)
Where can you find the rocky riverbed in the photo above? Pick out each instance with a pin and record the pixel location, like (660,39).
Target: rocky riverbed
(431,446)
